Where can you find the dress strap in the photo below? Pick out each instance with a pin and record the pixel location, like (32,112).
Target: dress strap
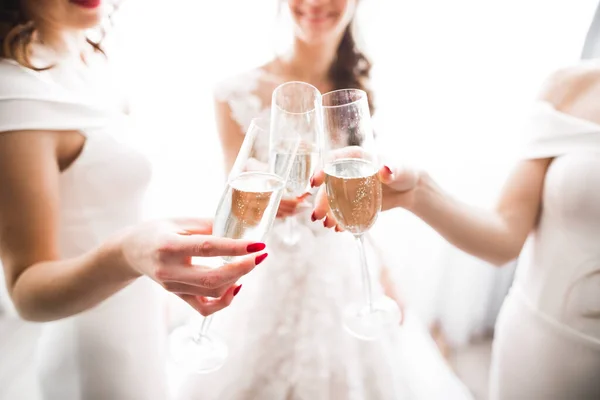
(552,133)
(28,102)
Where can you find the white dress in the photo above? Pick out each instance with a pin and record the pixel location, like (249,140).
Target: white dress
(284,329)
(115,350)
(547,343)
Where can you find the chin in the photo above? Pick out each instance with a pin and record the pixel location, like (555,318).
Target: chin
(316,34)
(88,21)
(317,31)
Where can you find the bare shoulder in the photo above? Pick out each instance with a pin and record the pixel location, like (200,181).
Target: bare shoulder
(568,85)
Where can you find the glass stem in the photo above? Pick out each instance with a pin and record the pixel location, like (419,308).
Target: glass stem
(365,273)
(204,327)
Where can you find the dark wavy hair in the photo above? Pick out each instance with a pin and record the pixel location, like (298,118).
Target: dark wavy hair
(351,68)
(17,31)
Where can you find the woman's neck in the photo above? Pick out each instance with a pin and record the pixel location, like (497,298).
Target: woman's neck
(62,44)
(310,62)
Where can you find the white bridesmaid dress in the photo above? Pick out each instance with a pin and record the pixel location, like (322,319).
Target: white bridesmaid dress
(547,343)
(114,351)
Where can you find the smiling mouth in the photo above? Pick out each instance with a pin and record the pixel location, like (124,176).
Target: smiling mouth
(316,18)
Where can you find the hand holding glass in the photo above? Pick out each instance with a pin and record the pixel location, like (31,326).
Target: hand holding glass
(246,210)
(354,193)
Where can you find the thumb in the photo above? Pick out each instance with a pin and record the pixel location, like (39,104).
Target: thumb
(386,175)
(321,205)
(400,179)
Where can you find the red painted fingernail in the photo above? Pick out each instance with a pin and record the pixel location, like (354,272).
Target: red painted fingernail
(325,222)
(260,258)
(337,229)
(237,290)
(312,182)
(389,171)
(313,218)
(254,247)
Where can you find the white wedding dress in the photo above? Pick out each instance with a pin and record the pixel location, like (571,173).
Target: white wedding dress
(284,329)
(114,351)
(547,344)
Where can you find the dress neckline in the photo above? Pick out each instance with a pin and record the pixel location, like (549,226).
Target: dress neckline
(569,117)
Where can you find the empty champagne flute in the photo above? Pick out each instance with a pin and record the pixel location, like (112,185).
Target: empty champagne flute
(354,193)
(246,210)
(296,111)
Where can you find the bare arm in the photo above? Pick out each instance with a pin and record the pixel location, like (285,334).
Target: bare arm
(496,235)
(230,134)
(42,286)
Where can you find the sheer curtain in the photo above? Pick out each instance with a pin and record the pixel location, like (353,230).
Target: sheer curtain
(452,80)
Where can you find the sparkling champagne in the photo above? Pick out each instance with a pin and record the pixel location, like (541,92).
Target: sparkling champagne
(303,167)
(354,193)
(248,206)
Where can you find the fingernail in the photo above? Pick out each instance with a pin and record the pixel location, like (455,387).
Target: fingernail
(312,182)
(389,171)
(254,247)
(325,222)
(237,290)
(337,229)
(313,218)
(260,258)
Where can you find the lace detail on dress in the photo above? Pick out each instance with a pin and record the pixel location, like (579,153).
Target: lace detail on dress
(240,94)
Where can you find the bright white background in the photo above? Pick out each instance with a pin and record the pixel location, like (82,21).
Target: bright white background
(452,79)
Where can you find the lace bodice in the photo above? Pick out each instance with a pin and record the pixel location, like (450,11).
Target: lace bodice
(249,96)
(245,96)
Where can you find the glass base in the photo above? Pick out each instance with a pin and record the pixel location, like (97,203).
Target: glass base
(369,323)
(197,353)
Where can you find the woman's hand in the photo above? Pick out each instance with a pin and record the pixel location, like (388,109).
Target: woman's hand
(399,190)
(163,250)
(399,187)
(289,207)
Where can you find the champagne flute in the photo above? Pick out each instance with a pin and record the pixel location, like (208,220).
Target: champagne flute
(354,193)
(296,111)
(246,210)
